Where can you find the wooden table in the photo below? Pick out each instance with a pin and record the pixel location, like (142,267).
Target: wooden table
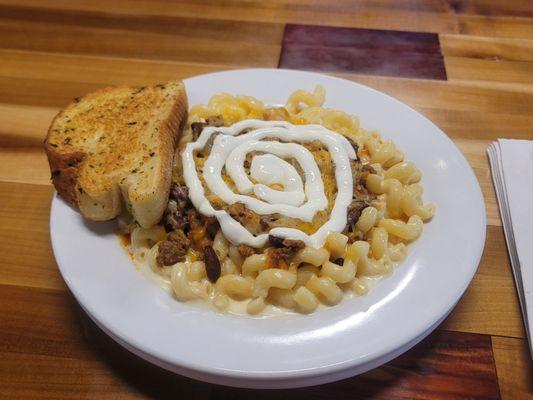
(465,64)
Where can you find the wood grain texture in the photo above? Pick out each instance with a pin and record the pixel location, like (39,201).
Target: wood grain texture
(514,367)
(26,257)
(365,51)
(25,165)
(490,304)
(412,15)
(161,37)
(487,48)
(463,68)
(495,26)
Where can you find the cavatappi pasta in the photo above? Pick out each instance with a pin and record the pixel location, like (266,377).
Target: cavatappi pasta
(385,214)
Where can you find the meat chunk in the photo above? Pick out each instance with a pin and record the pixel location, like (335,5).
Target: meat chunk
(250,220)
(198,229)
(362,198)
(354,211)
(197,127)
(180,194)
(245,250)
(173,249)
(282,251)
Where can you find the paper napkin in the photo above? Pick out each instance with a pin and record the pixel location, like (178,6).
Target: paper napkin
(511,163)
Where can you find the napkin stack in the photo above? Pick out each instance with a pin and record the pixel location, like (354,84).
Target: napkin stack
(511,163)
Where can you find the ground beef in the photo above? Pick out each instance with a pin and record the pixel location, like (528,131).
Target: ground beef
(354,211)
(245,250)
(249,219)
(198,229)
(362,198)
(173,249)
(197,127)
(282,251)
(180,194)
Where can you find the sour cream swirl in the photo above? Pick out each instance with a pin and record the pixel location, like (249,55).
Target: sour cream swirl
(296,200)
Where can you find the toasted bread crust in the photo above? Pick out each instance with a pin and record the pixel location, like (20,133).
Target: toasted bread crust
(74,180)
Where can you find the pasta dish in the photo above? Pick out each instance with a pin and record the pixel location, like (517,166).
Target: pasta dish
(292,207)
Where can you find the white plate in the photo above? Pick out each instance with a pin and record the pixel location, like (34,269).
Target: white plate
(294,350)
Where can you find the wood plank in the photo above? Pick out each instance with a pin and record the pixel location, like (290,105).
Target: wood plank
(161,37)
(509,27)
(480,125)
(463,68)
(364,51)
(461,96)
(475,152)
(26,257)
(95,70)
(23,126)
(511,8)
(412,15)
(24,165)
(490,304)
(487,48)
(50,80)
(53,80)
(514,367)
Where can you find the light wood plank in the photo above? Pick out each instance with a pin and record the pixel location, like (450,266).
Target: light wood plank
(461,96)
(512,8)
(487,48)
(97,70)
(24,165)
(26,257)
(514,368)
(475,152)
(511,27)
(164,38)
(53,80)
(462,68)
(24,126)
(480,125)
(413,15)
(490,305)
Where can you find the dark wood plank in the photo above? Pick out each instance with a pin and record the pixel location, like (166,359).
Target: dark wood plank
(152,37)
(374,52)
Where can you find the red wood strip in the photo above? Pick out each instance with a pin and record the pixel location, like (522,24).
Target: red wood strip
(328,36)
(364,51)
